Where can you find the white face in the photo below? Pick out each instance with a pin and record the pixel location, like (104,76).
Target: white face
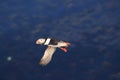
(40,41)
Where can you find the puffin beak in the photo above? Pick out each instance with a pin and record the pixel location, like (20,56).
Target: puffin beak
(37,42)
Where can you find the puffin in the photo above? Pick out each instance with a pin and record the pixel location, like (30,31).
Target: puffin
(52,44)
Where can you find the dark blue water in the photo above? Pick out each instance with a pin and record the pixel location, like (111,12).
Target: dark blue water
(92,27)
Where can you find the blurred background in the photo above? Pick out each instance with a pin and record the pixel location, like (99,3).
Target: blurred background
(92,27)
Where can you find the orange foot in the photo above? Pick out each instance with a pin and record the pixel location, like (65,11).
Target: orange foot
(64,49)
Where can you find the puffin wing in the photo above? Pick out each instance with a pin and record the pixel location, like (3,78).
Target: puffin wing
(47,55)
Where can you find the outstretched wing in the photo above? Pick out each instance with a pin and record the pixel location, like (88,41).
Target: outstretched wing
(47,56)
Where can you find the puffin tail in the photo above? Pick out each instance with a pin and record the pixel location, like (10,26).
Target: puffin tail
(68,43)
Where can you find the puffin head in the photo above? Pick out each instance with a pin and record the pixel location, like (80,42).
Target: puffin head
(40,41)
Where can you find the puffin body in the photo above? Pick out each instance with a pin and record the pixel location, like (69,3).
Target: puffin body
(52,44)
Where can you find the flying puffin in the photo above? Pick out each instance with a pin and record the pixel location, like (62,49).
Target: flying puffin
(52,44)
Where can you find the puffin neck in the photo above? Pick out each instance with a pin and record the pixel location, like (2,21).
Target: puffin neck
(47,41)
